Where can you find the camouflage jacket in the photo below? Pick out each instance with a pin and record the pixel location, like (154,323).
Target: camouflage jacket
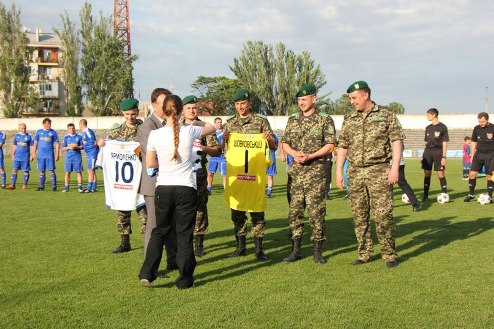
(368,136)
(309,133)
(124,133)
(252,124)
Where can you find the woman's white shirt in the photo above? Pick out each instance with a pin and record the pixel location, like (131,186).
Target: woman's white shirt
(174,172)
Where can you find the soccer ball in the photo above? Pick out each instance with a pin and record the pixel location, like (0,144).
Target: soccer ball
(404,198)
(443,198)
(484,199)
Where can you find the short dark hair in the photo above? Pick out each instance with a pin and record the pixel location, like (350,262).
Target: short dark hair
(483,115)
(159,91)
(46,120)
(433,111)
(466,138)
(70,125)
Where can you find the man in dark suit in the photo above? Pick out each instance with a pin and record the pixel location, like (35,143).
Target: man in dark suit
(148,185)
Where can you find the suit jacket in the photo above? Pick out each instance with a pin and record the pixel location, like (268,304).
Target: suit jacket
(148,185)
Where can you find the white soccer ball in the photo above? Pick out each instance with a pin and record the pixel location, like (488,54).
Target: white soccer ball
(443,198)
(484,198)
(405,198)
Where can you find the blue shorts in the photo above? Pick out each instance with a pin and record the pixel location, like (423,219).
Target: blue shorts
(91,162)
(215,163)
(2,165)
(271,171)
(21,165)
(73,166)
(46,164)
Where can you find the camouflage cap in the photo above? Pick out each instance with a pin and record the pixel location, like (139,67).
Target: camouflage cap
(359,85)
(129,104)
(189,99)
(305,90)
(241,94)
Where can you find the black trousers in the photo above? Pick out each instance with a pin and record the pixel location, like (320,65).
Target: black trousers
(175,211)
(405,187)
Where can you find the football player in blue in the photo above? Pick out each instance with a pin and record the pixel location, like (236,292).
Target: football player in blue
(22,155)
(72,144)
(219,161)
(47,151)
(2,166)
(91,148)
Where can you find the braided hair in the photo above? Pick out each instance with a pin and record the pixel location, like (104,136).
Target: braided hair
(172,107)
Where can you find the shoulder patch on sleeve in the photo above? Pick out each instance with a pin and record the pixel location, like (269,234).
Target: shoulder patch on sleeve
(324,115)
(261,116)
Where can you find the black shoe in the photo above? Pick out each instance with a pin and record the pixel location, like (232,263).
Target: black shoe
(391,264)
(425,199)
(171,267)
(416,208)
(469,198)
(54,189)
(358,262)
(40,189)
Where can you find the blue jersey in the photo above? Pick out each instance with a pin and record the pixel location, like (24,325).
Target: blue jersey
(219,135)
(23,143)
(273,152)
(2,140)
(88,140)
(73,140)
(46,140)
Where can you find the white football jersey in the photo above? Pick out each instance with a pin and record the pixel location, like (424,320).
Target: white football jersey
(122,174)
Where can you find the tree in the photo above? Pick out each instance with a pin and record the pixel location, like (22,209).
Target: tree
(274,76)
(106,72)
(70,62)
(342,105)
(219,90)
(14,63)
(397,108)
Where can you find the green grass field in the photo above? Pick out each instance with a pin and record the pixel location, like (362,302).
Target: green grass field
(57,270)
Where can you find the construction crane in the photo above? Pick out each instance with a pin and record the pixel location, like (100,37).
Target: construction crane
(121,24)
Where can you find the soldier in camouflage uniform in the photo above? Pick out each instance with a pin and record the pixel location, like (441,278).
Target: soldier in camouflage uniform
(127,131)
(309,137)
(209,146)
(370,137)
(246,122)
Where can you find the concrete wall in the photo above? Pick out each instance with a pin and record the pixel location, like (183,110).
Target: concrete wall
(408,121)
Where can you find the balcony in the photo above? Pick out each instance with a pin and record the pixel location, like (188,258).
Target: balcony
(41,112)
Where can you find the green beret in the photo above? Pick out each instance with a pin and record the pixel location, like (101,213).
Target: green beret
(306,90)
(241,94)
(189,99)
(357,86)
(129,104)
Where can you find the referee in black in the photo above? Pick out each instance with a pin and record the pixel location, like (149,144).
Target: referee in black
(436,143)
(482,154)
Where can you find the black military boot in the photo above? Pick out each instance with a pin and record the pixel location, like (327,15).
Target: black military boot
(240,251)
(199,249)
(318,258)
(259,250)
(296,252)
(124,246)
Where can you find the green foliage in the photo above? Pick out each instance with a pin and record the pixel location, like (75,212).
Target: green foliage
(70,63)
(58,271)
(106,71)
(397,108)
(274,75)
(14,59)
(218,89)
(342,105)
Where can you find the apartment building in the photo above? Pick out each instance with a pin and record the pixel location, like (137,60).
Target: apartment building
(46,75)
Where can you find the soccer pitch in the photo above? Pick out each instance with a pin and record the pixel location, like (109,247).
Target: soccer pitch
(57,269)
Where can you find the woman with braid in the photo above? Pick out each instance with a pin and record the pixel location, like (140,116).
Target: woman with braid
(169,150)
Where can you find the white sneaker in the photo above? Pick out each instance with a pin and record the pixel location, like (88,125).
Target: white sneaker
(146,283)
(80,190)
(64,190)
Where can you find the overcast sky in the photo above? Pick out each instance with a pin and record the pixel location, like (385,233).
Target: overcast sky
(420,53)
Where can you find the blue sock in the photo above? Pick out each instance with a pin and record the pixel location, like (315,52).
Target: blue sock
(53,178)
(13,179)
(210,188)
(4,179)
(26,177)
(42,178)
(94,186)
(89,186)
(66,187)
(79,186)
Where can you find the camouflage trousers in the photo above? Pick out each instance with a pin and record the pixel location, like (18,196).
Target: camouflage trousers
(239,219)
(370,195)
(307,189)
(123,220)
(202,220)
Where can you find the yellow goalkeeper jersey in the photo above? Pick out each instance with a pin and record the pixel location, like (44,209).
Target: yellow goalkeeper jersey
(247,158)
